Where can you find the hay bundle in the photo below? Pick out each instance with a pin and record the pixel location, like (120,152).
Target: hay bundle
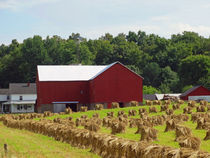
(167,102)
(148,102)
(134,103)
(132,123)
(140,126)
(156,102)
(110,114)
(62,113)
(207,137)
(187,110)
(78,122)
(191,103)
(182,131)
(68,110)
(170,125)
(169,152)
(95,115)
(92,126)
(153,150)
(157,120)
(132,113)
(180,117)
(196,116)
(47,113)
(148,134)
(120,113)
(201,108)
(106,121)
(144,115)
(202,123)
(208,107)
(180,101)
(123,119)
(99,107)
(163,107)
(118,127)
(152,110)
(83,108)
(190,153)
(190,142)
(115,105)
(176,106)
(142,110)
(169,111)
(204,103)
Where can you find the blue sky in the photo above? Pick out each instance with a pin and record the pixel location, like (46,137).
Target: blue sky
(21,19)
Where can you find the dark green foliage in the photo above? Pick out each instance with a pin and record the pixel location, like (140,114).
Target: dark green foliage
(166,64)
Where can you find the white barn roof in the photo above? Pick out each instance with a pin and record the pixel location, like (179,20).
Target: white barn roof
(69,72)
(73,72)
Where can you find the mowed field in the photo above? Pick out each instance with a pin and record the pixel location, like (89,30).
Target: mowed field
(22,143)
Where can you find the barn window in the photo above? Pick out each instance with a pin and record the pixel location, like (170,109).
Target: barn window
(21,97)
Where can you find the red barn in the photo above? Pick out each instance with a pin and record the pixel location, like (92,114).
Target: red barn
(196,93)
(59,87)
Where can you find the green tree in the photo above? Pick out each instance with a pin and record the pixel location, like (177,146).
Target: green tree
(151,73)
(150,90)
(193,68)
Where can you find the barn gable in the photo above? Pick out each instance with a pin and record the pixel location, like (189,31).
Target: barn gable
(118,83)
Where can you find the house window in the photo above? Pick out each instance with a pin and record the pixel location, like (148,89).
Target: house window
(21,97)
(8,97)
(18,107)
(25,107)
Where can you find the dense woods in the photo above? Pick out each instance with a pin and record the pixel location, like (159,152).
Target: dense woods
(167,65)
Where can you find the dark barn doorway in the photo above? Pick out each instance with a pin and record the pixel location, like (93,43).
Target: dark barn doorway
(73,106)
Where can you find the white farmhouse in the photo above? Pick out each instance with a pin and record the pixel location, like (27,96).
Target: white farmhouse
(21,98)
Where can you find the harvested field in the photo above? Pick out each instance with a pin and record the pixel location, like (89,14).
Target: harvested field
(109,123)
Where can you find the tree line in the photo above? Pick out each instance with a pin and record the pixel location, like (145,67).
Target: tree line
(167,65)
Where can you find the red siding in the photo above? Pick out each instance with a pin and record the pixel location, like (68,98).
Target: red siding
(198,92)
(116,84)
(49,92)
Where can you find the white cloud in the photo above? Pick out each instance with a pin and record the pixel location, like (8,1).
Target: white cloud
(161,18)
(18,4)
(201,29)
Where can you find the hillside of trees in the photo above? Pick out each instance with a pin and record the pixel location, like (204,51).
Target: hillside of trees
(167,65)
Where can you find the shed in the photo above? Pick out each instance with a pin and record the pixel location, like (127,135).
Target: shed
(196,93)
(61,86)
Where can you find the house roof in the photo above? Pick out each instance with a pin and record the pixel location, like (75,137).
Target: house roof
(22,88)
(189,91)
(4,91)
(72,72)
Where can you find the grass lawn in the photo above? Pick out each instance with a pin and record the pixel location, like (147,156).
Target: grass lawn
(164,138)
(22,143)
